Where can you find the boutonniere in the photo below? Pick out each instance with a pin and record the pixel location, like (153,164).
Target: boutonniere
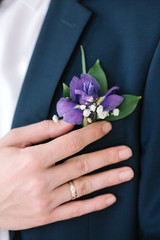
(88,98)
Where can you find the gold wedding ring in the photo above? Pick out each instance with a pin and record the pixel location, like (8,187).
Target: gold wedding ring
(73,190)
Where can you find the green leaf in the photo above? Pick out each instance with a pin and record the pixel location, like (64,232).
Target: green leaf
(66,91)
(97,72)
(128,105)
(83,60)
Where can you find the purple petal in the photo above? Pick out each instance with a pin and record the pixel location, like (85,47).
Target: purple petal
(88,78)
(83,96)
(64,105)
(111,102)
(80,92)
(88,87)
(76,83)
(65,109)
(74,116)
(111,90)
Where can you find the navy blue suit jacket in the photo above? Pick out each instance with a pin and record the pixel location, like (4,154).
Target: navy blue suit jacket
(124,35)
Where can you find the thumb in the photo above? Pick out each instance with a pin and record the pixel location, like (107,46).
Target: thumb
(35,133)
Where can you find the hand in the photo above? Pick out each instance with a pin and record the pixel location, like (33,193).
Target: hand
(35,191)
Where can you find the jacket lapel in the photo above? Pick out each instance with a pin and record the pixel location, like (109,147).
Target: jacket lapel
(61,30)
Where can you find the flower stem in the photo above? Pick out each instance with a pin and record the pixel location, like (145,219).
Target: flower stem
(85,122)
(95,117)
(83,60)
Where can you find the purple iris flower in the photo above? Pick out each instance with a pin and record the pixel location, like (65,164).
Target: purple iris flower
(85,100)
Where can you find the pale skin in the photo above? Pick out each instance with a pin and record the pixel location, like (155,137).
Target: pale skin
(35,191)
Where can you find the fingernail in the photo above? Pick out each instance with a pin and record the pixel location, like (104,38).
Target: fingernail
(125,153)
(106,127)
(110,200)
(126,175)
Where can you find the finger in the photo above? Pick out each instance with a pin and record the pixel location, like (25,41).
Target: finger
(86,163)
(88,184)
(79,208)
(71,143)
(35,133)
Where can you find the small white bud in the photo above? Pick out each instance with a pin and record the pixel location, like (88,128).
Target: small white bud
(116,112)
(82,107)
(99,109)
(86,113)
(89,120)
(55,118)
(93,108)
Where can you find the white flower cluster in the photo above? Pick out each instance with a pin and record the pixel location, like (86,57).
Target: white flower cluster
(99,110)
(86,113)
(100,113)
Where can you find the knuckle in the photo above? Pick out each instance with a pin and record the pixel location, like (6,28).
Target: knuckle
(41,211)
(31,163)
(37,187)
(110,179)
(74,144)
(110,155)
(45,124)
(43,205)
(83,166)
(97,206)
(96,132)
(16,134)
(84,187)
(79,210)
